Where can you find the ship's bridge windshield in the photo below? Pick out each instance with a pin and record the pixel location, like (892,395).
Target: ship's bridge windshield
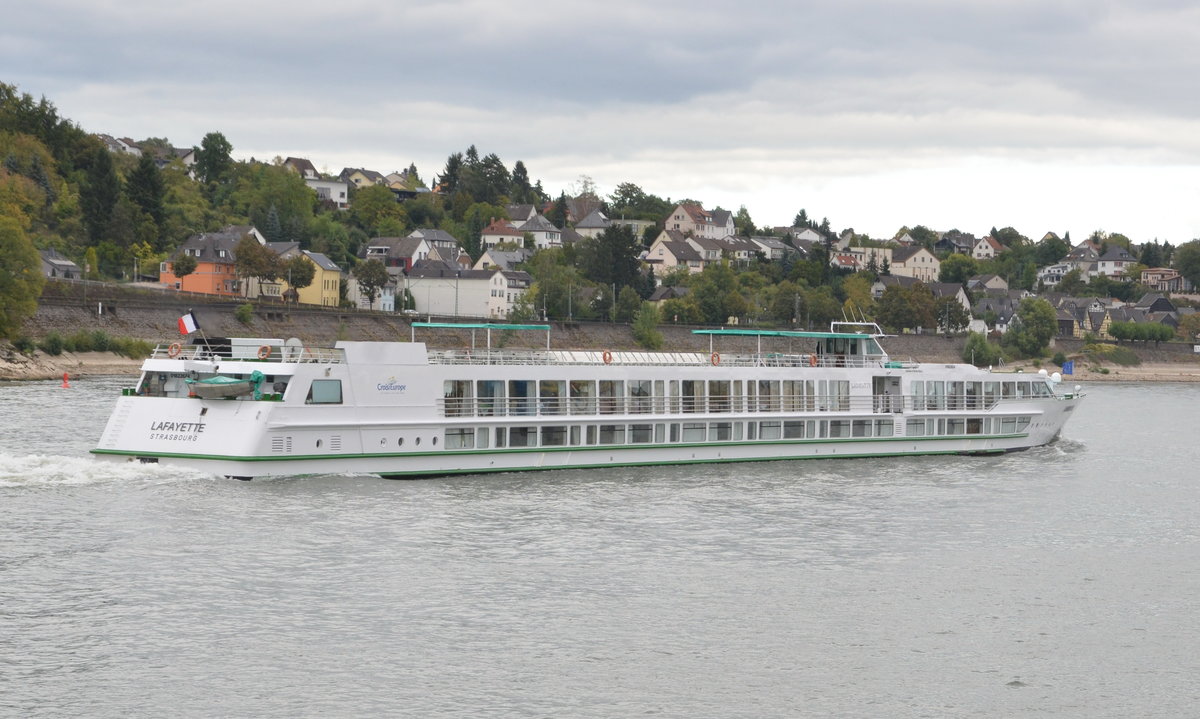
(850,346)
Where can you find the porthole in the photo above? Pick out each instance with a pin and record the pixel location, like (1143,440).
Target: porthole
(435,441)
(418,441)
(400,442)
(383,441)
(318,444)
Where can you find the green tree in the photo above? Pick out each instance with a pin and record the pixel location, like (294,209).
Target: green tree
(1189,327)
(742,222)
(253,259)
(91,264)
(1033,327)
(374,204)
(958,268)
(299,271)
(98,194)
(213,160)
(21,277)
(645,327)
(628,304)
(1187,261)
(145,187)
(951,316)
(979,351)
(611,257)
(183,265)
(1072,283)
(371,276)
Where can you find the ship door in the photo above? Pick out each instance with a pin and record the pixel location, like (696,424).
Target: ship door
(886,394)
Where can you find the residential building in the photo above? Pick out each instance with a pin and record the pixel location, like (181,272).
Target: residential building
(325,289)
(593,225)
(494,259)
(56,265)
(443,289)
(361,178)
(1114,262)
(915,261)
(545,234)
(1165,279)
(698,222)
(216,272)
(987,248)
(499,232)
(671,249)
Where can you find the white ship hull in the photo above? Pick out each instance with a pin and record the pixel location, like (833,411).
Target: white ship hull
(397,410)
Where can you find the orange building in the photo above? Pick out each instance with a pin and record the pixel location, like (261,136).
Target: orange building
(216,272)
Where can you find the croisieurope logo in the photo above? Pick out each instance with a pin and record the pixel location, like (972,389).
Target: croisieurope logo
(390,385)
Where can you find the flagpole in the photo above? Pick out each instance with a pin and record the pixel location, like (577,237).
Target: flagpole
(200,330)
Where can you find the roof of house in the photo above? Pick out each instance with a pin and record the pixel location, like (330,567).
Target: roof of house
(209,245)
(595,220)
(521,213)
(1116,253)
(322,261)
(904,254)
(434,235)
(538,223)
(302,165)
(669,293)
(507,259)
(682,251)
(500,227)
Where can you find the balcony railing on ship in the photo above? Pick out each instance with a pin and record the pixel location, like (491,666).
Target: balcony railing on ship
(650,359)
(707,404)
(265,353)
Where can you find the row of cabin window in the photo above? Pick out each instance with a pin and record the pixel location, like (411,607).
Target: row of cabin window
(526,397)
(692,432)
(936,394)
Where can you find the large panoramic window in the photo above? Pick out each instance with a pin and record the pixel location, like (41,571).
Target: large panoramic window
(324,391)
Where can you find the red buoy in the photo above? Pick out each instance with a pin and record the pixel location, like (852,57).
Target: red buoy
(66,384)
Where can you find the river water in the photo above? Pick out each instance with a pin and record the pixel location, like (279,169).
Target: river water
(1063,581)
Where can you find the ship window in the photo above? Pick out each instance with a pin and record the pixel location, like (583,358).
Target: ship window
(751,430)
(460,438)
(575,436)
(974,425)
(659,396)
(324,391)
(522,436)
(520,396)
(861,428)
(991,392)
(591,434)
(640,433)
(768,395)
(555,436)
(583,396)
(550,392)
(1022,423)
(791,430)
(612,434)
(839,428)
(884,428)
(612,396)
(915,428)
(1023,389)
(955,427)
(491,397)
(659,433)
(1009,389)
(693,396)
(1041,389)
(640,393)
(973,392)
(457,396)
(673,433)
(718,395)
(770,430)
(954,394)
(481,437)
(501,436)
(720,431)
(934,393)
(693,431)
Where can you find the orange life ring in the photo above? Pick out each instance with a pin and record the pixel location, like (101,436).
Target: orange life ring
(812,360)
(264,351)
(174,350)
(607,357)
(715,358)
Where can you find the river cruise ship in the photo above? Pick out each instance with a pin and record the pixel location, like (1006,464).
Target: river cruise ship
(254,407)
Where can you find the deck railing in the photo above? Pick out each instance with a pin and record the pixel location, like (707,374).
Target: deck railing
(704,404)
(654,359)
(271,353)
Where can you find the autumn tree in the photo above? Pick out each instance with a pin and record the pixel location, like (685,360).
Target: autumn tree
(21,277)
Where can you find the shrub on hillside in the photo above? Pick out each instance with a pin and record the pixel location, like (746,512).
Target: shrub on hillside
(244,313)
(52,344)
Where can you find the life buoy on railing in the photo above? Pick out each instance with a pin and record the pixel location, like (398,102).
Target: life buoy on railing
(715,358)
(264,351)
(174,350)
(607,356)
(812,360)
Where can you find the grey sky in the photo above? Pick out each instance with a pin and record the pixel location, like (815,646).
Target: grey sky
(1050,115)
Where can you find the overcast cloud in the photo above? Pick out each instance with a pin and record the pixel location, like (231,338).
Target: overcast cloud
(1060,115)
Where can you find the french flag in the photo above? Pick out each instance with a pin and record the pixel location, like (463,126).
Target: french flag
(188,324)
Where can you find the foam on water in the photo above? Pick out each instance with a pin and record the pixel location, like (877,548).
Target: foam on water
(40,470)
